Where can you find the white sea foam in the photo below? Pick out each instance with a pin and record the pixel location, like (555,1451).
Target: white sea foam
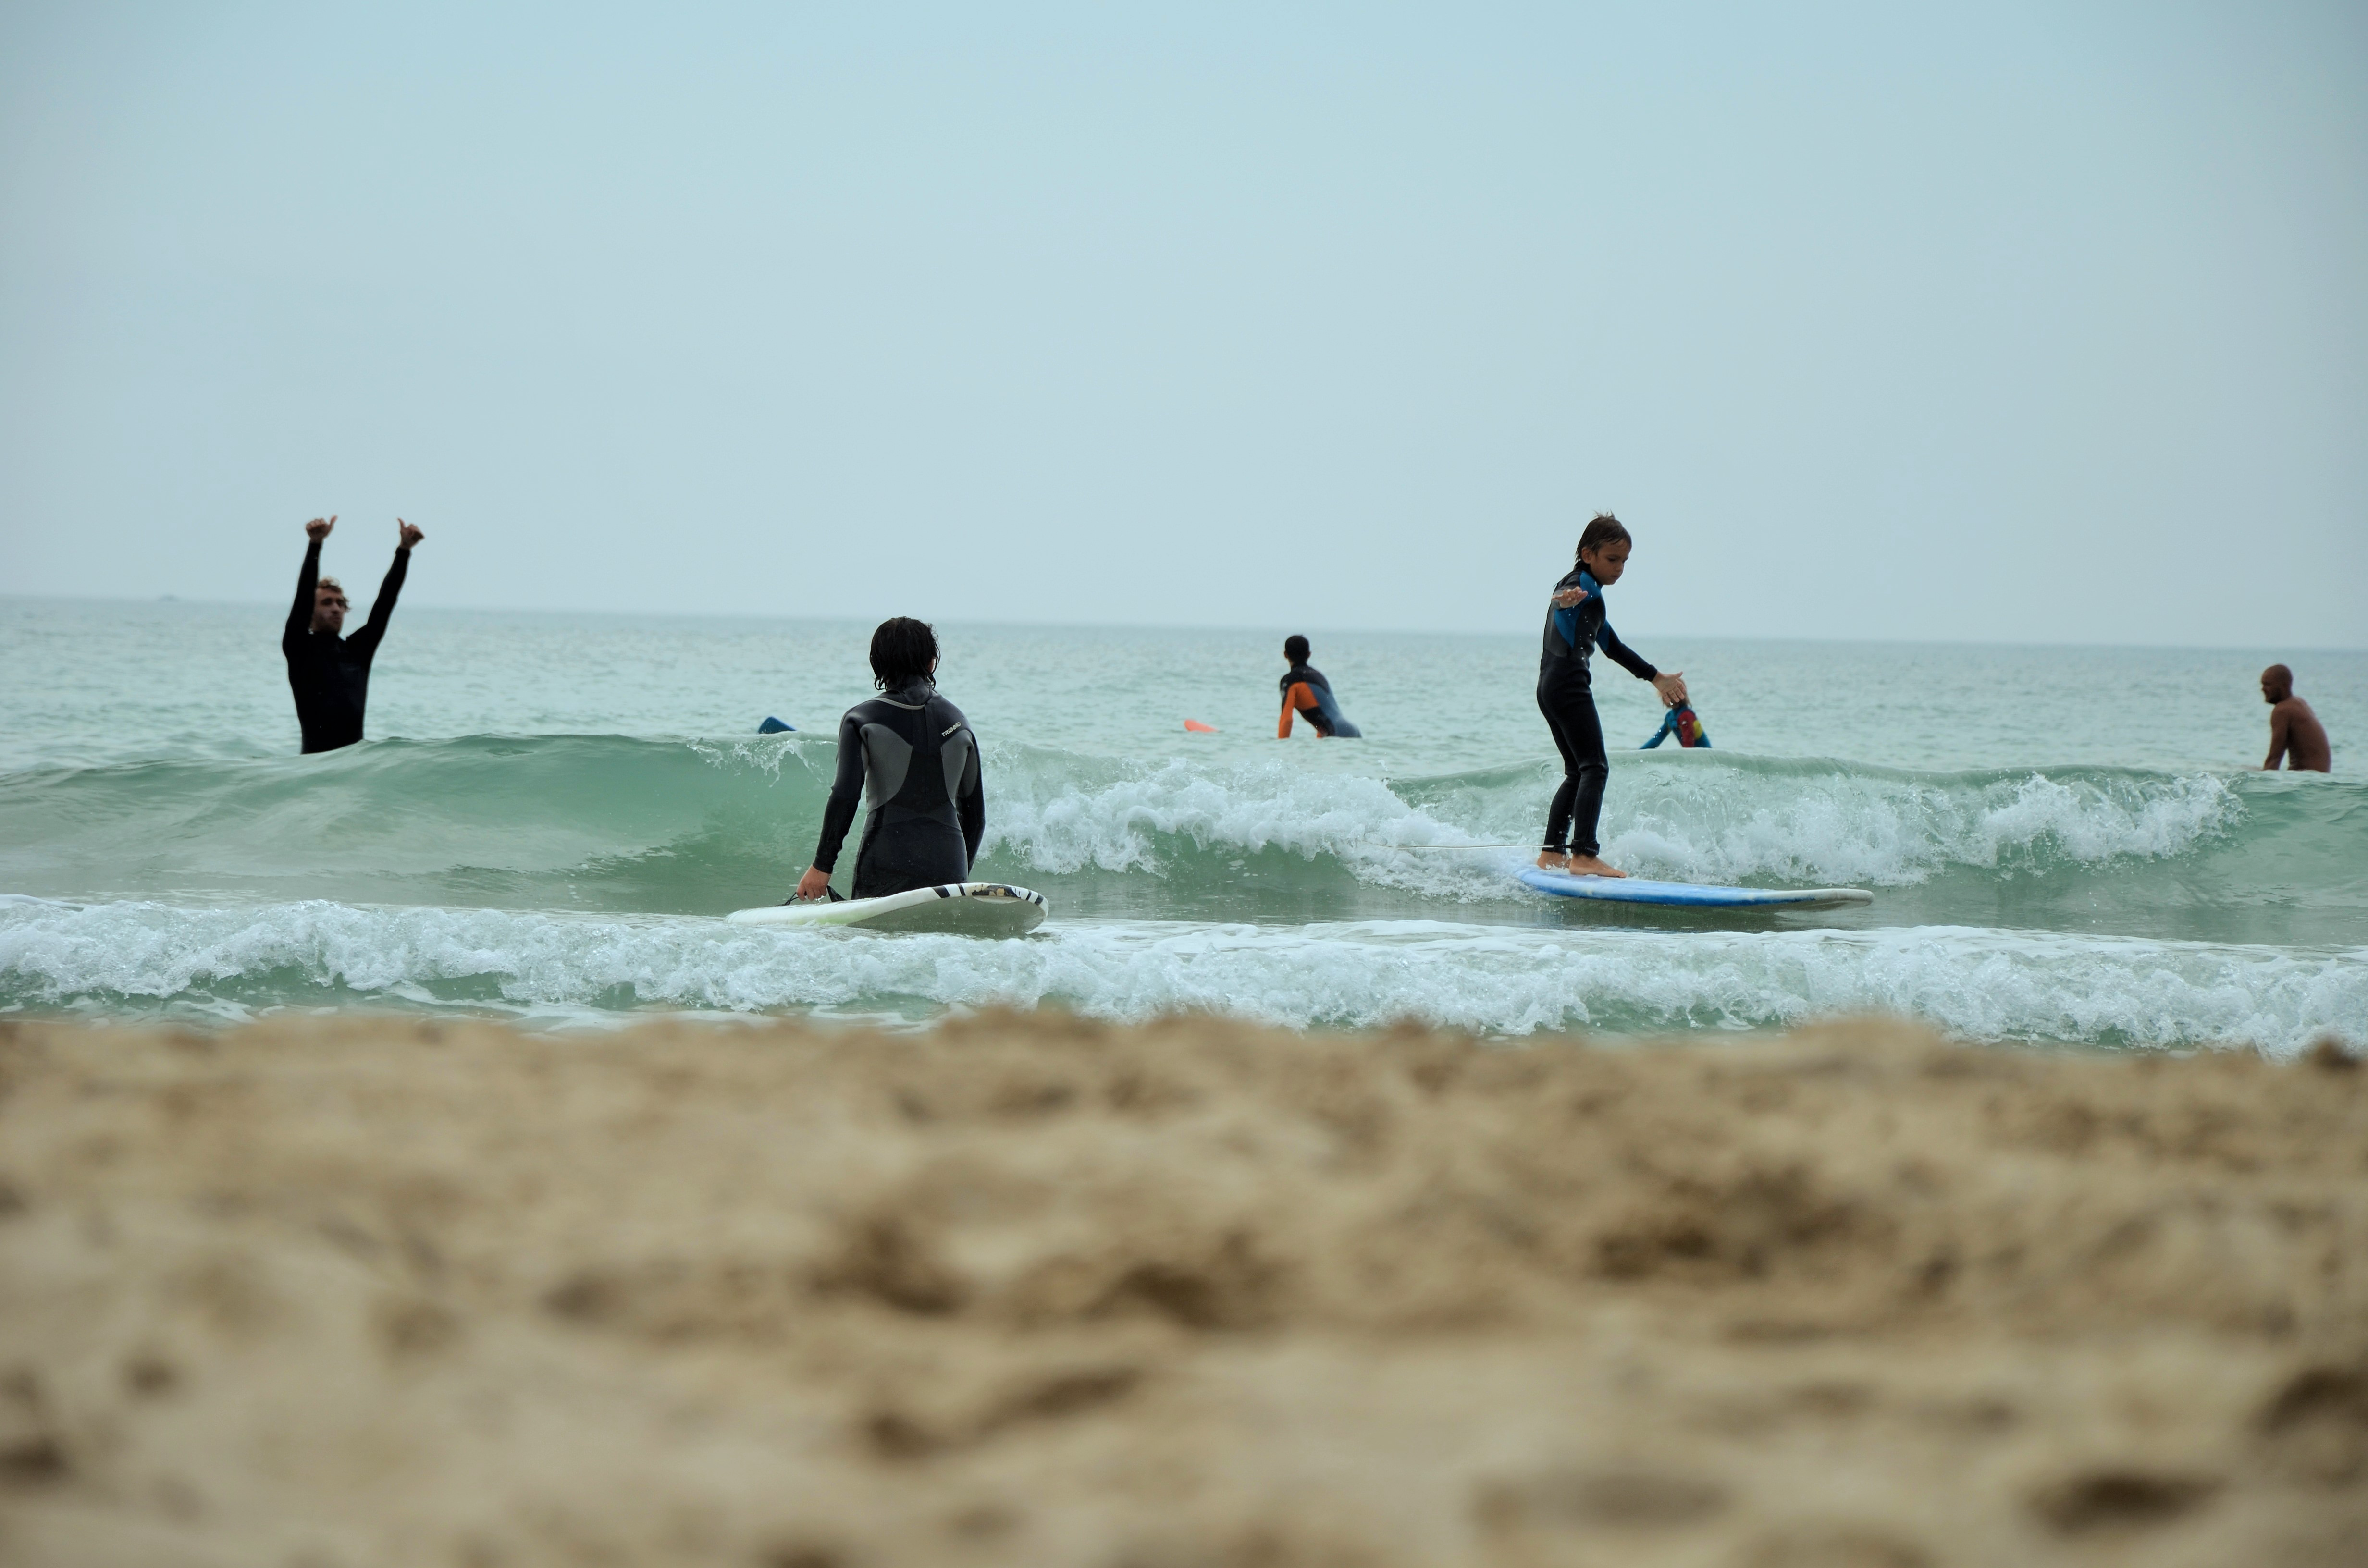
(1701,821)
(1715,824)
(1060,823)
(1492,979)
(1056,821)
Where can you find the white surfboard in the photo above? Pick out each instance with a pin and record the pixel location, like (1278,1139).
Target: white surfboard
(965,909)
(1689,896)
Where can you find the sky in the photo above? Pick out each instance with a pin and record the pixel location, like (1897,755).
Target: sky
(1998,323)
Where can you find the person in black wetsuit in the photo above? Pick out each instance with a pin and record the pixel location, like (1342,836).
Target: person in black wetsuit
(1575,628)
(330,674)
(1306,693)
(913,753)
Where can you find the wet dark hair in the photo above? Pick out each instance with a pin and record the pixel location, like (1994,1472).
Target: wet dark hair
(902,649)
(1601,529)
(1294,648)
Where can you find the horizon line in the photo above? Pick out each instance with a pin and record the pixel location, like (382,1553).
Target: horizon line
(1138,626)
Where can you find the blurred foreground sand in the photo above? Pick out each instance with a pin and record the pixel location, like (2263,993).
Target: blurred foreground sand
(1028,1290)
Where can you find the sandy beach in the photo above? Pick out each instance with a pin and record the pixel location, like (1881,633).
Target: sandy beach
(349,1290)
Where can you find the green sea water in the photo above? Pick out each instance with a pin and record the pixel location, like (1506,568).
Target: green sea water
(554,812)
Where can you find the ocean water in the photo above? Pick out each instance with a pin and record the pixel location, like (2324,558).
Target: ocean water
(555,812)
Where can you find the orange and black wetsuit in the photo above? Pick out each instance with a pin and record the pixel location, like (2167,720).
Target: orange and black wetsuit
(1306,693)
(1299,685)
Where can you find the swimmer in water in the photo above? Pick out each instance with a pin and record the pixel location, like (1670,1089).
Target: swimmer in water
(1308,695)
(913,753)
(1575,628)
(329,674)
(2295,734)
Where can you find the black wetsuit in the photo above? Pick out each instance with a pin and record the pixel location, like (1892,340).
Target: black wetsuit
(913,753)
(1313,714)
(330,674)
(1566,697)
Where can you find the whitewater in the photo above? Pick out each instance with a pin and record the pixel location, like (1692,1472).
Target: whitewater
(555,813)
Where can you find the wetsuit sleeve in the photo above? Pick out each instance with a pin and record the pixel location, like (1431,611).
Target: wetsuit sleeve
(1302,699)
(1627,658)
(846,794)
(970,806)
(382,608)
(300,614)
(1568,620)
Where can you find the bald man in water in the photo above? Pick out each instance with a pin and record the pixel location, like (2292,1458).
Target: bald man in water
(2295,732)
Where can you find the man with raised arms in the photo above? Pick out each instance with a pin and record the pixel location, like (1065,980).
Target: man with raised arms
(2295,733)
(330,674)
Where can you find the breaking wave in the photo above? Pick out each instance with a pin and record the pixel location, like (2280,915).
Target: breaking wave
(148,959)
(626,825)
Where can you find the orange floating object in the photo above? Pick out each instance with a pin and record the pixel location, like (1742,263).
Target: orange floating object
(1194,726)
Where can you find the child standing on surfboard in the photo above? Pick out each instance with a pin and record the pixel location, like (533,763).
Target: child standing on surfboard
(1575,628)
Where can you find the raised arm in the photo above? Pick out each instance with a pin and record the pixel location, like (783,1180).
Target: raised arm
(308,578)
(382,608)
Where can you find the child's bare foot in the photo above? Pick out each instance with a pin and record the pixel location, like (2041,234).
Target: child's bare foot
(1550,861)
(1588,866)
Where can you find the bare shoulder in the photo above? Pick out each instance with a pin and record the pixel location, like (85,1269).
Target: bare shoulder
(2295,727)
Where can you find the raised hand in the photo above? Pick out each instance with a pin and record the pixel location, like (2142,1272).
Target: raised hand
(318,529)
(1671,685)
(407,534)
(1568,597)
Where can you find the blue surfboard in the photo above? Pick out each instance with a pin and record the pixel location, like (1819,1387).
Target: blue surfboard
(1688,895)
